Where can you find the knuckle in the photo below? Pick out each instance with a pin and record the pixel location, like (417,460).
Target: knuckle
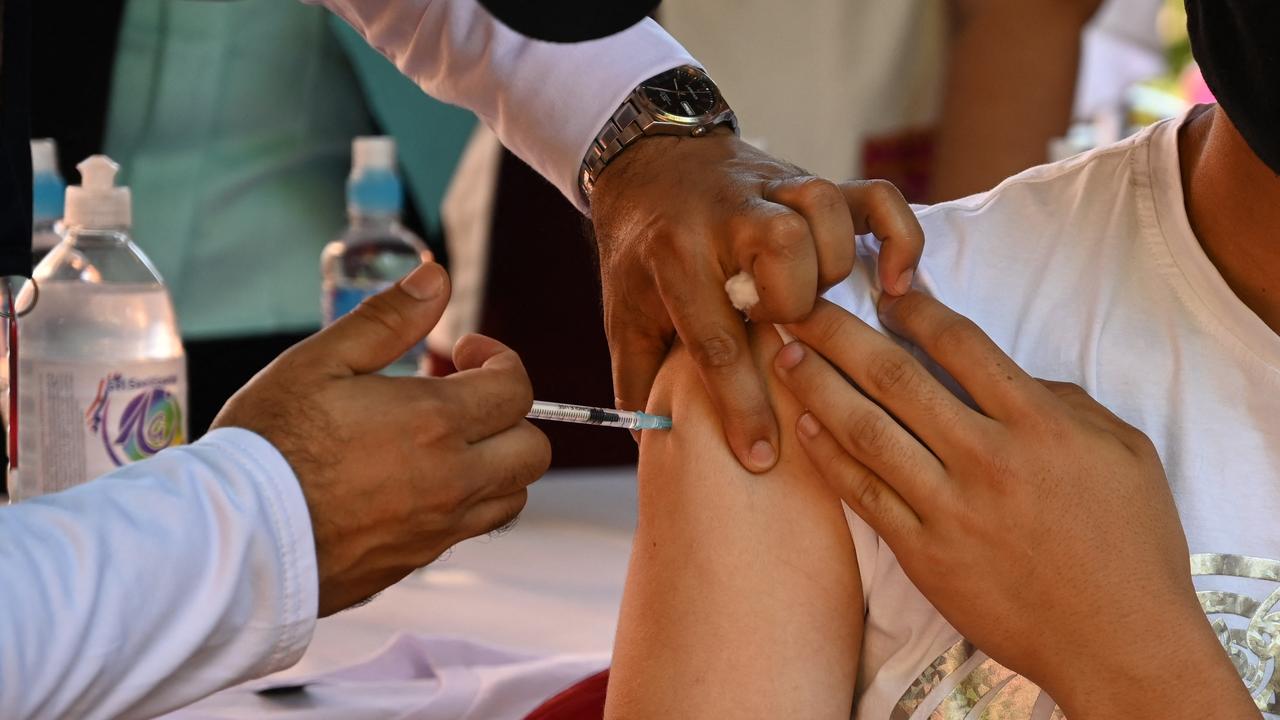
(437,402)
(866,492)
(437,426)
(787,235)
(869,432)
(882,190)
(889,372)
(821,192)
(1000,465)
(1051,425)
(716,349)
(980,447)
(1002,470)
(828,328)
(954,336)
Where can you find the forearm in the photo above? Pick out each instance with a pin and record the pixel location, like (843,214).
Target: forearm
(742,597)
(152,587)
(1179,666)
(546,101)
(1010,86)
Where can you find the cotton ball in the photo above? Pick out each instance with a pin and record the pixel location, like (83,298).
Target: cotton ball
(742,291)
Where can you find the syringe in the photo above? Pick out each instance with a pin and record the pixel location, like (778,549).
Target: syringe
(586,415)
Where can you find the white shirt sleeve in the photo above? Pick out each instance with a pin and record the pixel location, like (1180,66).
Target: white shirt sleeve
(157,584)
(546,101)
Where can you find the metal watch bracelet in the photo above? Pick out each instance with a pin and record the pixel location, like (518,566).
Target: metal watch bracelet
(620,131)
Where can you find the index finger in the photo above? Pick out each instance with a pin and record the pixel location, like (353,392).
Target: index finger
(877,207)
(716,338)
(491,394)
(994,381)
(889,375)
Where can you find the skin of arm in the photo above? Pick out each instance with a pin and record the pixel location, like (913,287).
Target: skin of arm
(1011,78)
(743,597)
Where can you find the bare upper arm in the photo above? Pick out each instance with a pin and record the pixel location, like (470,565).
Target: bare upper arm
(743,597)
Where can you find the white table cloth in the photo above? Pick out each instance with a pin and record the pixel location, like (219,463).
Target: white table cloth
(534,607)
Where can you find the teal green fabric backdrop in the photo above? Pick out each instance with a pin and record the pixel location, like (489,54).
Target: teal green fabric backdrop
(430,134)
(232,122)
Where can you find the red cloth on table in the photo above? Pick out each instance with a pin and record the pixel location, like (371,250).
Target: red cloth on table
(582,701)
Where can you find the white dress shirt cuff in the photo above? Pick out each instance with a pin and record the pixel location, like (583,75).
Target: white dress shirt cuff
(604,74)
(290,525)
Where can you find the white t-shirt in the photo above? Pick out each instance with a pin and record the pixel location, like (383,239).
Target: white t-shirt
(1088,271)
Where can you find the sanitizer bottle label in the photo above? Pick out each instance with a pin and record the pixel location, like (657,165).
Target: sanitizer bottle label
(91,418)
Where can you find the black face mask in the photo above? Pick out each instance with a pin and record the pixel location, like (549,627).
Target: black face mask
(1237,43)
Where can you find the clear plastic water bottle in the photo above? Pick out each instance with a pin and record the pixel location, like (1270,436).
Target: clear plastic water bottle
(374,250)
(103,377)
(48,190)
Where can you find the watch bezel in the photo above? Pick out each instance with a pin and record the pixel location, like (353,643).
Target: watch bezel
(658,114)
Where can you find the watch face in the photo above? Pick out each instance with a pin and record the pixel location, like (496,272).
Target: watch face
(682,92)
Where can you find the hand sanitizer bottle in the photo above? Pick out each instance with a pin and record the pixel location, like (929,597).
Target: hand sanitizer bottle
(103,377)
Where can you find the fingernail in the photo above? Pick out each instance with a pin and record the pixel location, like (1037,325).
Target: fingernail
(809,426)
(425,282)
(789,356)
(762,454)
(904,281)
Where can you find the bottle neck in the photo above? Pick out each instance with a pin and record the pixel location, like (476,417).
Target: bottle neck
(374,193)
(373,222)
(85,237)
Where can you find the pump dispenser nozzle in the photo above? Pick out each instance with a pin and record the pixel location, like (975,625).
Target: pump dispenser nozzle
(96,202)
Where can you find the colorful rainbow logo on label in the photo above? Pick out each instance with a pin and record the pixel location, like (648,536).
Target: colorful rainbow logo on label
(151,422)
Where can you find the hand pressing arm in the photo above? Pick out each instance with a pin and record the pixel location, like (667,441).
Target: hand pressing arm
(1058,509)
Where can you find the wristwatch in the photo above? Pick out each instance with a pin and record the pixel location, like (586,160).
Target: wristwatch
(680,101)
